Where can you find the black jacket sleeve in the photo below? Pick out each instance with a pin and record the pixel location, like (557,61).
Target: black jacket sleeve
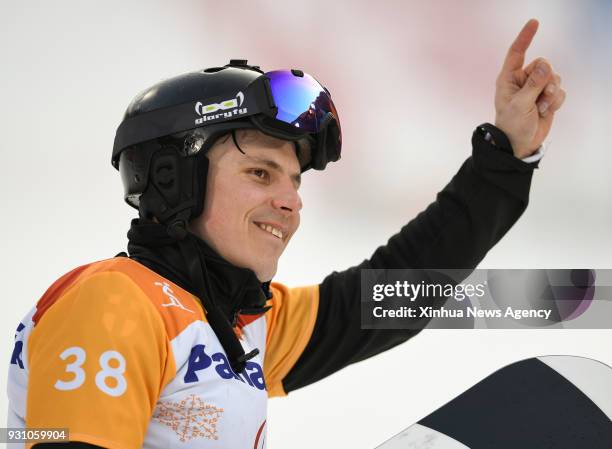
(480,204)
(66,445)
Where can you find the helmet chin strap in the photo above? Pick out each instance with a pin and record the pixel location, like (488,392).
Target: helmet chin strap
(177,228)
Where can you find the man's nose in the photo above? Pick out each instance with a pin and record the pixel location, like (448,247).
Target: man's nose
(287,200)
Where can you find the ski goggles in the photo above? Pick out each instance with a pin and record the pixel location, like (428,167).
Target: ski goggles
(301,100)
(305,105)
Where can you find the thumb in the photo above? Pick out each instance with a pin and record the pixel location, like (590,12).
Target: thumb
(535,84)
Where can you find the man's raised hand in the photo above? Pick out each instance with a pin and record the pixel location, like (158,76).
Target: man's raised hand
(526,99)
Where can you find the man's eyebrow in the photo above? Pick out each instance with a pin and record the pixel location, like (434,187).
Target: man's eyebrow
(296,177)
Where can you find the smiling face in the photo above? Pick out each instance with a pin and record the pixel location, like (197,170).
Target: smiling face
(252,206)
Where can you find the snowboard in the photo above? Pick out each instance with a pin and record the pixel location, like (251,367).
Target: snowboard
(560,402)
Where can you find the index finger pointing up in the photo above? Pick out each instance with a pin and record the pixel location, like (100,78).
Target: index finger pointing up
(516,54)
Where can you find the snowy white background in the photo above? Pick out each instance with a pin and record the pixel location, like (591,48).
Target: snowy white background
(411,80)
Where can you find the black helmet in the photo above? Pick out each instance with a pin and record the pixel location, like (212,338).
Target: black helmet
(160,144)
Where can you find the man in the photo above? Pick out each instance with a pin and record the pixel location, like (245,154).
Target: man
(181,343)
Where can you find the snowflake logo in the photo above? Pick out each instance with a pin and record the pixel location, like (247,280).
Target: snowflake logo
(190,418)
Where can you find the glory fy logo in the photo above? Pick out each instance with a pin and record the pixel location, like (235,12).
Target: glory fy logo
(229,107)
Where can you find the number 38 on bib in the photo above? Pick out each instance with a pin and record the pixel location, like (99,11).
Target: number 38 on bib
(115,387)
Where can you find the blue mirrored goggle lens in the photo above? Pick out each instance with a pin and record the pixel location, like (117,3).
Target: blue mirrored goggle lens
(301,100)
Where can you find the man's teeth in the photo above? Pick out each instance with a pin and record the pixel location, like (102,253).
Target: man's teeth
(276,232)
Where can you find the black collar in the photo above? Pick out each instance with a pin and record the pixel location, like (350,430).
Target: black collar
(234,290)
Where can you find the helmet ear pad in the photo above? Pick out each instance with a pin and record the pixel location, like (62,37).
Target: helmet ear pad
(177,185)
